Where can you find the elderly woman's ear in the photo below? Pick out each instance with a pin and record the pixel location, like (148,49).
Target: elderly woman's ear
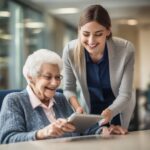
(31,80)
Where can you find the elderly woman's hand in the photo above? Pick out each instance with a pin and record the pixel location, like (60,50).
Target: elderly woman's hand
(56,129)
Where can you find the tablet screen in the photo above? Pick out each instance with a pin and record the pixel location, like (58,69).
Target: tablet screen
(83,121)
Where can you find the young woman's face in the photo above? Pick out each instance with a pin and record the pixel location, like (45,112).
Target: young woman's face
(93,37)
(47,82)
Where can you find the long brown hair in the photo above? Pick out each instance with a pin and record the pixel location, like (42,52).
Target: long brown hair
(92,13)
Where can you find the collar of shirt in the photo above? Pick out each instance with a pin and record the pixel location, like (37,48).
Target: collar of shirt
(35,101)
(89,60)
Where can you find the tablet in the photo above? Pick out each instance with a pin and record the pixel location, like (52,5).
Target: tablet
(83,121)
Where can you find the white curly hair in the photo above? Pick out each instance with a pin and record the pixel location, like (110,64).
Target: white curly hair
(35,60)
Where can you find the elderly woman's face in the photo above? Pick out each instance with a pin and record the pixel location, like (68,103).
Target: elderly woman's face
(47,82)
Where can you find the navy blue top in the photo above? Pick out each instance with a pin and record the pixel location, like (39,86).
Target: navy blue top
(98,81)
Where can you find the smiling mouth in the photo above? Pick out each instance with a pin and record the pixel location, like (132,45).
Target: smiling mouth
(92,46)
(51,89)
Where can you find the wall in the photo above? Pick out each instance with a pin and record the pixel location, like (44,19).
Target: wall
(144,56)
(131,33)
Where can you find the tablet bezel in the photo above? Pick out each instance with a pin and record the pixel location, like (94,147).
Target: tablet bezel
(83,121)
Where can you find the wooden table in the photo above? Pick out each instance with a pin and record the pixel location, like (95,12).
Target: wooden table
(139,140)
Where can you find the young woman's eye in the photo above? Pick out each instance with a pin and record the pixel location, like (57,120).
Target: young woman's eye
(98,34)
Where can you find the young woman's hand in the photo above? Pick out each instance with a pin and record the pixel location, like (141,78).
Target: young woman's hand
(56,129)
(107,114)
(75,104)
(114,129)
(117,129)
(79,110)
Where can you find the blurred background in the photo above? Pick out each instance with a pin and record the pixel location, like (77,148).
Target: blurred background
(28,25)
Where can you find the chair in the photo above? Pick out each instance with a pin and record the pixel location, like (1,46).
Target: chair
(3,93)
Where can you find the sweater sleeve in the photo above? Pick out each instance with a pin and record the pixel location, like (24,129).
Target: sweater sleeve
(69,76)
(125,101)
(12,122)
(95,129)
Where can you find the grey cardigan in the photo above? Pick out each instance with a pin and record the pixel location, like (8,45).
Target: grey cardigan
(121,66)
(20,122)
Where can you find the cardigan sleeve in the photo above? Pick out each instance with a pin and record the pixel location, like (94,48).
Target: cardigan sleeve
(12,122)
(69,77)
(126,85)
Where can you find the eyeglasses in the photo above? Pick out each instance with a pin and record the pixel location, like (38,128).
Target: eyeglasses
(49,78)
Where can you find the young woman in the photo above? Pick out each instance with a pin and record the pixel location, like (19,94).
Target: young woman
(102,67)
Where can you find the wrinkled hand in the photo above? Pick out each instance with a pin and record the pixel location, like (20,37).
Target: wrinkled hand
(107,114)
(114,129)
(56,129)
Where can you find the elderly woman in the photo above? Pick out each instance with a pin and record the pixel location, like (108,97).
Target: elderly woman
(38,112)
(35,112)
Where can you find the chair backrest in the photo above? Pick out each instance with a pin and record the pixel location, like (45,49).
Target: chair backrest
(3,93)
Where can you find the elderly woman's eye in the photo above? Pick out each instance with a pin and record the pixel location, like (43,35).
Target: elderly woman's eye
(59,77)
(47,77)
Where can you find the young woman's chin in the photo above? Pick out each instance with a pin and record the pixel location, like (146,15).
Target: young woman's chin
(92,51)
